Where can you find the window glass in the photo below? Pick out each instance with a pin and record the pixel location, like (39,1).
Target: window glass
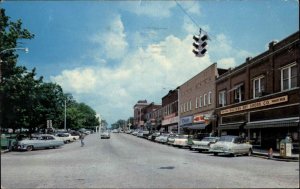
(294,76)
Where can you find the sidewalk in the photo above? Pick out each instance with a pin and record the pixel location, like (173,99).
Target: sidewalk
(276,156)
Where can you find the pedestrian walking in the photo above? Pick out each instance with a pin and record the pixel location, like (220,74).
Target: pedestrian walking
(81,139)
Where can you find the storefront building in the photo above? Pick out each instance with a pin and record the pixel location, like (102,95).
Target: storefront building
(170,112)
(197,102)
(260,99)
(149,117)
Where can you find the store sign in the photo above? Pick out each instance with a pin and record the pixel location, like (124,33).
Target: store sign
(186,120)
(256,105)
(199,118)
(169,121)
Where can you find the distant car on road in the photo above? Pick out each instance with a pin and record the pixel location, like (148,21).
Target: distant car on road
(115,131)
(42,141)
(232,145)
(105,134)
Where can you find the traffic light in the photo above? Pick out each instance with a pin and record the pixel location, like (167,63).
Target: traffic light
(200,44)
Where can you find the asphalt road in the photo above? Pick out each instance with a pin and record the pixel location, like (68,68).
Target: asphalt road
(125,161)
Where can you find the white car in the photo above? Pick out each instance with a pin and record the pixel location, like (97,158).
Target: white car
(163,138)
(232,145)
(181,141)
(66,137)
(205,144)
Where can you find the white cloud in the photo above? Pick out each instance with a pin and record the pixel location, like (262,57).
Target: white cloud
(112,44)
(143,73)
(77,80)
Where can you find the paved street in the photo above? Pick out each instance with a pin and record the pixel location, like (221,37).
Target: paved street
(125,161)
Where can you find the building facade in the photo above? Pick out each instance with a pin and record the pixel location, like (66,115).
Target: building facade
(260,99)
(138,115)
(150,117)
(170,111)
(197,102)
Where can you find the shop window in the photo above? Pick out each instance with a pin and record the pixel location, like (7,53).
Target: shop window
(289,77)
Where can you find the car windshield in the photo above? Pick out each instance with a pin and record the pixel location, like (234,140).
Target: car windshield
(227,138)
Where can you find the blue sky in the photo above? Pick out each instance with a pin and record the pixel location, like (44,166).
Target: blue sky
(110,54)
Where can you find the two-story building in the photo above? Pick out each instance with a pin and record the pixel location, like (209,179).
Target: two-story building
(260,99)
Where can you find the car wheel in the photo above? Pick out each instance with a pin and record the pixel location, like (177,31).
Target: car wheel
(215,153)
(249,152)
(29,148)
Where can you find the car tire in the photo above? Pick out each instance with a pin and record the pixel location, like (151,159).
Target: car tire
(215,153)
(29,148)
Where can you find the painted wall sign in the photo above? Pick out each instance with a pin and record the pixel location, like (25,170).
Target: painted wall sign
(256,105)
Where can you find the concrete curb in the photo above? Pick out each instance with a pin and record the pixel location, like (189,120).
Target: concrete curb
(276,158)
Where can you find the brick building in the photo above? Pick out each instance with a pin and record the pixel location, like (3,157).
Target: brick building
(150,116)
(138,114)
(260,98)
(197,101)
(170,111)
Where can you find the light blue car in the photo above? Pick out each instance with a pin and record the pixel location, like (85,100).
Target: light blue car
(41,142)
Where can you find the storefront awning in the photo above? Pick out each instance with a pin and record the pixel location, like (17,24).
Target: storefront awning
(274,123)
(196,126)
(230,126)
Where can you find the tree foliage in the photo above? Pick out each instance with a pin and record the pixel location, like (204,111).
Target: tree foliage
(26,101)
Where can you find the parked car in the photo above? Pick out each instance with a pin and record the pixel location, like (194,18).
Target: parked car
(181,141)
(115,131)
(171,139)
(146,133)
(154,135)
(140,134)
(232,145)
(135,132)
(105,134)
(75,135)
(66,137)
(196,137)
(163,138)
(40,142)
(205,144)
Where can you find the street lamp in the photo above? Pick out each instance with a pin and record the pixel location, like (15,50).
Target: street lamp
(12,49)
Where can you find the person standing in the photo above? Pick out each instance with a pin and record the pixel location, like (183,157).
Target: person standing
(81,139)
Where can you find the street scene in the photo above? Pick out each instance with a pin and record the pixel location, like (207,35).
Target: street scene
(150,94)
(127,161)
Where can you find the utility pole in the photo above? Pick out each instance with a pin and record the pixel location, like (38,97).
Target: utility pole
(65,123)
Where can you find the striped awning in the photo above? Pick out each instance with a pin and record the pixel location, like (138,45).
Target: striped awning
(230,126)
(195,126)
(275,123)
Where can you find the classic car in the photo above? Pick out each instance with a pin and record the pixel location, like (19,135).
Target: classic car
(171,139)
(66,137)
(205,144)
(232,145)
(163,138)
(154,135)
(195,138)
(181,141)
(40,142)
(105,134)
